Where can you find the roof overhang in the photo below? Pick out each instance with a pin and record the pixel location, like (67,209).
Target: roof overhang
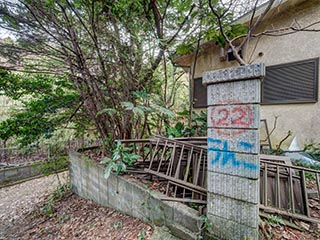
(278,7)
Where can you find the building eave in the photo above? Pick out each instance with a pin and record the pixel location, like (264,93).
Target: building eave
(278,7)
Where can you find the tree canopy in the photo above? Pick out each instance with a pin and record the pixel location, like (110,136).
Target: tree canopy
(108,53)
(108,50)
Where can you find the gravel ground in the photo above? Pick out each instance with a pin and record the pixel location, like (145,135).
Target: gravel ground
(22,215)
(20,199)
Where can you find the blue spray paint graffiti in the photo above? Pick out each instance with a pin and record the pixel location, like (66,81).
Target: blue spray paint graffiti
(224,156)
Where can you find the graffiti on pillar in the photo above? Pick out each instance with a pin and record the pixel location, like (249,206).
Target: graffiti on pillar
(238,117)
(224,156)
(230,119)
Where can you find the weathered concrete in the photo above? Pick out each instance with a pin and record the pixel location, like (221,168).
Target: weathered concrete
(131,197)
(162,233)
(301,118)
(233,150)
(13,174)
(10,175)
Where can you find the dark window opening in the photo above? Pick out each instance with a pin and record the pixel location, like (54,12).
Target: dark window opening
(230,55)
(295,82)
(199,94)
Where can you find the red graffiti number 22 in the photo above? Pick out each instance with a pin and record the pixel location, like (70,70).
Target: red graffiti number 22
(239,116)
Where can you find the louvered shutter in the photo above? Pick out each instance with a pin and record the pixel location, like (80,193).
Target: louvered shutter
(291,83)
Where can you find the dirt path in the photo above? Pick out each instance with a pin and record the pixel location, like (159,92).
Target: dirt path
(72,217)
(20,199)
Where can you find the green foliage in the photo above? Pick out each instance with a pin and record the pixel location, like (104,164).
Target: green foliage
(184,49)
(53,165)
(205,228)
(199,123)
(114,54)
(145,109)
(179,130)
(210,30)
(274,220)
(16,86)
(110,50)
(121,158)
(311,177)
(195,206)
(313,150)
(307,165)
(46,103)
(142,235)
(48,209)
(230,30)
(198,126)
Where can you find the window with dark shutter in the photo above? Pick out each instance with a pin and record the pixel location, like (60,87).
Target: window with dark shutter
(199,94)
(295,82)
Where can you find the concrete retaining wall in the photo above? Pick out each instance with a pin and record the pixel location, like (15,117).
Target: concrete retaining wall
(13,174)
(127,195)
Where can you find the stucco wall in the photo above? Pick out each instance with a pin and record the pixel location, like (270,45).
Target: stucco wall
(302,119)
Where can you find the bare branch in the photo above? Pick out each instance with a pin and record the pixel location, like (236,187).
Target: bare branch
(182,24)
(256,24)
(253,13)
(157,18)
(234,49)
(45,29)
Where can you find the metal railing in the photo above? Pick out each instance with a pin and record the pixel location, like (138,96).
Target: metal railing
(182,165)
(289,190)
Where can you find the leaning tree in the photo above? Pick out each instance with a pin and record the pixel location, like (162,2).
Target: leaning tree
(108,50)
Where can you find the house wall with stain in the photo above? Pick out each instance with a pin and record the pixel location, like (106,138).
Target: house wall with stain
(300,118)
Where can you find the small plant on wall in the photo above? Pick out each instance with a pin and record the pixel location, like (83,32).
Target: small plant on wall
(121,158)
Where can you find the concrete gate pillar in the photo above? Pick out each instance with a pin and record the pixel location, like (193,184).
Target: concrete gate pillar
(233,150)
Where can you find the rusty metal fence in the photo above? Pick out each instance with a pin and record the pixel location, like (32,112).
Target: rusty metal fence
(289,190)
(177,162)
(181,165)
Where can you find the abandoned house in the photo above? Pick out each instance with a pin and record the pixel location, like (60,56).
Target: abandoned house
(289,47)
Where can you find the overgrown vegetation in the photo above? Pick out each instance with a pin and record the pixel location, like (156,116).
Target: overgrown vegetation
(142,235)
(46,103)
(48,209)
(314,150)
(198,126)
(54,165)
(121,158)
(103,65)
(107,53)
(205,228)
